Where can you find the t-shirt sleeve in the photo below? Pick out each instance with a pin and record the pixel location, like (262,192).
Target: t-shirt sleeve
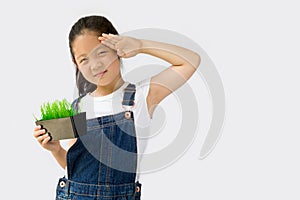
(144,86)
(141,109)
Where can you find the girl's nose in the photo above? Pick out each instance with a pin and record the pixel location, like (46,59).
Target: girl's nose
(96,64)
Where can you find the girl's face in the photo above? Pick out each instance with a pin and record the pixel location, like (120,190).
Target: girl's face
(98,64)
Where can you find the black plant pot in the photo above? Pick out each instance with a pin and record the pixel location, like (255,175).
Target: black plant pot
(65,128)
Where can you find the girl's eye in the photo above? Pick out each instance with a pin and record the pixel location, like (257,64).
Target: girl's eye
(82,61)
(101,53)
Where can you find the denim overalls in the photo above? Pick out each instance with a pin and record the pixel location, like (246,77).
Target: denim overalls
(102,164)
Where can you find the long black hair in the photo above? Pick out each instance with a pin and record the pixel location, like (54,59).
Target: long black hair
(97,24)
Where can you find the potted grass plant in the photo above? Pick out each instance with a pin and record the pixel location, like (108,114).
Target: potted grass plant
(61,121)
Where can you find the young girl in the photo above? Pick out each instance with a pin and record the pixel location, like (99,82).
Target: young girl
(103,164)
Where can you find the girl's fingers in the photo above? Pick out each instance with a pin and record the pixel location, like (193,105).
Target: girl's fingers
(101,38)
(111,37)
(112,41)
(115,37)
(38,133)
(37,128)
(108,44)
(46,140)
(41,138)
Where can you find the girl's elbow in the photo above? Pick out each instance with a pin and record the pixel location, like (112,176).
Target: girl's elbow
(197,60)
(194,60)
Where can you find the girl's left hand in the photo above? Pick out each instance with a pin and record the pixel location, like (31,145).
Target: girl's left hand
(125,46)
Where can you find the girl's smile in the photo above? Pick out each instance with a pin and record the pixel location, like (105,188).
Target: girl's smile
(100,74)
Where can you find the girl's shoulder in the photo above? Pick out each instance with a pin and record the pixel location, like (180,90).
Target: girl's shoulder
(75,103)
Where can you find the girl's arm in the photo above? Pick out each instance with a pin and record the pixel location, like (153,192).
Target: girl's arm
(53,146)
(184,63)
(61,157)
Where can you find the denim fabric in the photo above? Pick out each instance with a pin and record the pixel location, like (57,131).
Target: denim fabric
(70,190)
(102,164)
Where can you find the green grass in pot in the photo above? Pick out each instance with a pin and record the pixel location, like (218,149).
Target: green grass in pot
(56,109)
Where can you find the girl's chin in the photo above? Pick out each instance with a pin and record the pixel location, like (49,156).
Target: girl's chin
(102,82)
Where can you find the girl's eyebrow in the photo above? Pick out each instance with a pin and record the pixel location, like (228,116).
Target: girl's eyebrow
(81,55)
(99,48)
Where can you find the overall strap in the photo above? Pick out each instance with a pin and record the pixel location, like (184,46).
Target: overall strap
(128,102)
(76,102)
(129,94)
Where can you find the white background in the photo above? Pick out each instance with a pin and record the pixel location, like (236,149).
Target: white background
(255,48)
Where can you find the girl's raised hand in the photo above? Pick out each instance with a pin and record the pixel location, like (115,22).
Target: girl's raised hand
(125,46)
(44,139)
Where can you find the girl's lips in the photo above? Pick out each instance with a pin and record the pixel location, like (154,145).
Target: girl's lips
(100,74)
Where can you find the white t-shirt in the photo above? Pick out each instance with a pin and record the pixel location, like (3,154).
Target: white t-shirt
(112,104)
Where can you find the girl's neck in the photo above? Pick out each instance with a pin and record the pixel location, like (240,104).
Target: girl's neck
(108,89)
